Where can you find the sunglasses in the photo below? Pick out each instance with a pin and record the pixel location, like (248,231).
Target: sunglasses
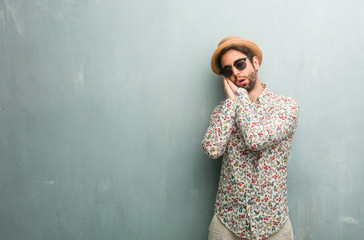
(239,64)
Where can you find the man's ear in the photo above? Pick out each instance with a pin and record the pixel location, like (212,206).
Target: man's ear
(256,62)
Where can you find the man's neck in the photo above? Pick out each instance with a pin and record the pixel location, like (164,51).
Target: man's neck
(256,91)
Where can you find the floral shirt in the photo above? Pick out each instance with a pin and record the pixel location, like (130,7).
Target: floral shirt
(255,138)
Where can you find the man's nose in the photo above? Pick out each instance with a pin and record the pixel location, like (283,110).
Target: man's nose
(235,71)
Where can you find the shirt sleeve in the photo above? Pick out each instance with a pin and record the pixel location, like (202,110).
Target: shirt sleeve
(219,130)
(259,133)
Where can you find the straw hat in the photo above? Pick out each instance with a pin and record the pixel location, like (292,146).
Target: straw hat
(234,41)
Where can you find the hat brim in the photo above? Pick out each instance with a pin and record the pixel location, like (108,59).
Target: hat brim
(235,42)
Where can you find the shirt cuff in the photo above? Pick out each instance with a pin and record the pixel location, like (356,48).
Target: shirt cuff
(241,91)
(242,98)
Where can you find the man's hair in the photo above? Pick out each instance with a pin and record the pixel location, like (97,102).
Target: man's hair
(241,49)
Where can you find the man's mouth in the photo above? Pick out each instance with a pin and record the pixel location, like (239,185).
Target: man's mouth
(241,81)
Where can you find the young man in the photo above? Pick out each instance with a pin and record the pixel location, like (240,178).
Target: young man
(253,129)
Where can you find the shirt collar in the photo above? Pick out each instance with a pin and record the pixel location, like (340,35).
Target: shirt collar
(264,96)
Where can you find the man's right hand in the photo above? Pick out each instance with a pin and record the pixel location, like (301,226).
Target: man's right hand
(229,88)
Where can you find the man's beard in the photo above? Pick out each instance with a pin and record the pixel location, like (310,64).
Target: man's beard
(252,78)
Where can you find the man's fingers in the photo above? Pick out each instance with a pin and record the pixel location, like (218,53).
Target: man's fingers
(232,86)
(229,93)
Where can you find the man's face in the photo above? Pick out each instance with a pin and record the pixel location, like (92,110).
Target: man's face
(245,78)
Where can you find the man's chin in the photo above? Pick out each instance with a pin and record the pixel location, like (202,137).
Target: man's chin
(242,85)
(245,86)
(248,88)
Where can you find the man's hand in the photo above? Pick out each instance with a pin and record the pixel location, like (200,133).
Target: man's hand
(229,88)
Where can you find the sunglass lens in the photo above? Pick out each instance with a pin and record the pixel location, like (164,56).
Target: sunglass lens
(240,65)
(227,72)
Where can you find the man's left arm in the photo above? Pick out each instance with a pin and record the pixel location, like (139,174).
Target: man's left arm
(259,133)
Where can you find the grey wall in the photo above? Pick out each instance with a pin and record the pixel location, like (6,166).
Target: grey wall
(103,105)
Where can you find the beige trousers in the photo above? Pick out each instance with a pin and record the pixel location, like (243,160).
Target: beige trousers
(217,231)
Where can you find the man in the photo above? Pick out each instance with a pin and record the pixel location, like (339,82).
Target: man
(253,129)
